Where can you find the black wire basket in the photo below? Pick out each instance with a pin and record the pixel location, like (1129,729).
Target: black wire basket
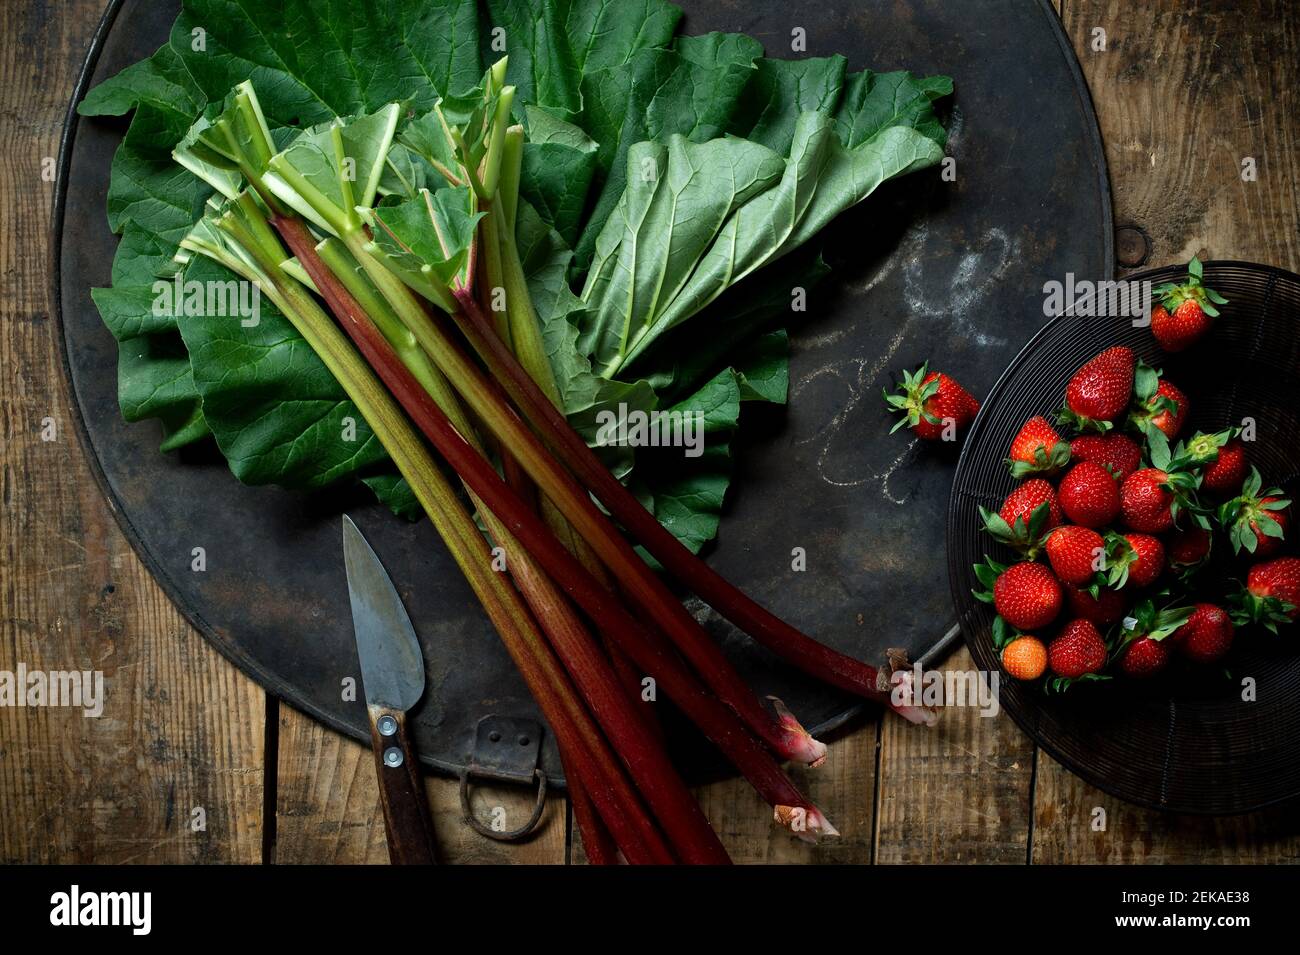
(1189,741)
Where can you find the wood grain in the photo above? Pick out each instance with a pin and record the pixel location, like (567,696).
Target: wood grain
(1073,822)
(181,730)
(958,792)
(843,788)
(1185,92)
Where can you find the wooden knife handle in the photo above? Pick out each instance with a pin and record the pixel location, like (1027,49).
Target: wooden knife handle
(401,792)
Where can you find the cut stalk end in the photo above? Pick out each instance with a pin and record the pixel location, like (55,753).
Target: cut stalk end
(902,700)
(805,822)
(799,743)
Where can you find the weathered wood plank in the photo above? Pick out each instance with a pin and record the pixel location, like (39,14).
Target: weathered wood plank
(843,788)
(1073,822)
(327,807)
(958,792)
(181,730)
(1184,93)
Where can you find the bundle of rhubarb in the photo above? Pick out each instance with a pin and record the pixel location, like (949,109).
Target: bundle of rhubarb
(473,262)
(1116,519)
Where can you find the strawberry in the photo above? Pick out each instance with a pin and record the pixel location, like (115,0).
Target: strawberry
(1116,452)
(1106,608)
(1028,513)
(1145,651)
(929,402)
(1161,406)
(1187,549)
(1206,636)
(1143,657)
(1026,595)
(1271,595)
(1256,520)
(1099,392)
(1137,559)
(1225,474)
(1077,650)
(1169,409)
(1089,495)
(1027,498)
(1024,658)
(1037,449)
(1076,553)
(1147,501)
(1186,311)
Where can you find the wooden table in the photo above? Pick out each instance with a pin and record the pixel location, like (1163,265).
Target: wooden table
(192,762)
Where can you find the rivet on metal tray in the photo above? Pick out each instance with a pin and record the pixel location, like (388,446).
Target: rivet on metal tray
(393,756)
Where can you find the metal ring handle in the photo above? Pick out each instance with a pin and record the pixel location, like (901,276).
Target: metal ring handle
(510,835)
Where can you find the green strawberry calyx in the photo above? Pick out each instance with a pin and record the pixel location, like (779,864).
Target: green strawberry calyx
(910,400)
(1026,534)
(1182,480)
(1046,461)
(1237,515)
(1267,612)
(1173,294)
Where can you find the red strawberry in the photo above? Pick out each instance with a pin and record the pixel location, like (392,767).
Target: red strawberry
(1272,594)
(1027,498)
(1028,513)
(1137,559)
(1075,553)
(1027,596)
(1079,649)
(1185,312)
(1146,501)
(1116,452)
(1144,657)
(929,402)
(1206,636)
(1037,448)
(1100,391)
(1177,329)
(1257,520)
(1104,609)
(1089,495)
(1227,471)
(1266,545)
(1168,409)
(1187,548)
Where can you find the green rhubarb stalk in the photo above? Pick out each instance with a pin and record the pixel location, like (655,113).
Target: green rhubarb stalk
(578,734)
(648,763)
(720,723)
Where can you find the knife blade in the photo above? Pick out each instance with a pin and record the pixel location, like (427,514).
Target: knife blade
(392,677)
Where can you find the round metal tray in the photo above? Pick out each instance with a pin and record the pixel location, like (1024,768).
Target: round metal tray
(1186,742)
(922,262)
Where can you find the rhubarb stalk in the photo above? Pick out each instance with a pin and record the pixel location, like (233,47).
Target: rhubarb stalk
(578,735)
(520,523)
(676,809)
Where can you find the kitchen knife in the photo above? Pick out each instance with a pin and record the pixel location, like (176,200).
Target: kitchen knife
(392,675)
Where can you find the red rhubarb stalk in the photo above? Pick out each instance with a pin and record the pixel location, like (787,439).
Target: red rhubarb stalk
(638,582)
(821,661)
(716,720)
(576,732)
(669,799)
(596,840)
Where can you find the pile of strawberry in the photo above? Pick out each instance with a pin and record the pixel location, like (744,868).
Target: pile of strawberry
(1114,520)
